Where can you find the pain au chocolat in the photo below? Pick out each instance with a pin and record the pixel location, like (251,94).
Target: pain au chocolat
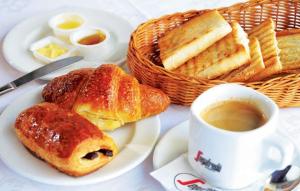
(64,139)
(106,96)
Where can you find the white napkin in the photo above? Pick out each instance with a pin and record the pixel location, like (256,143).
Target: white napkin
(178,175)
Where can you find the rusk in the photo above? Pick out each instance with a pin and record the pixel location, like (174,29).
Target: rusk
(266,35)
(227,54)
(289,44)
(255,66)
(184,42)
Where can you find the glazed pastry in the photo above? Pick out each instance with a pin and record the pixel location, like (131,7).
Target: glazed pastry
(109,98)
(64,139)
(69,87)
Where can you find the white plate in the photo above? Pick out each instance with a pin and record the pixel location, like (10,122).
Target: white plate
(135,142)
(17,42)
(166,150)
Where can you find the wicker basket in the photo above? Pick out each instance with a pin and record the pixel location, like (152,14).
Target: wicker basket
(145,64)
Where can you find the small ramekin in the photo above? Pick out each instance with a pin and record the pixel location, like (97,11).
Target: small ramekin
(47,40)
(64,34)
(95,52)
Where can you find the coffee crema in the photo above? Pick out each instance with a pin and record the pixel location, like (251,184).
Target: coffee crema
(234,115)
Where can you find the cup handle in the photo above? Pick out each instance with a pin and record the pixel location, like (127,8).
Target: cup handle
(284,146)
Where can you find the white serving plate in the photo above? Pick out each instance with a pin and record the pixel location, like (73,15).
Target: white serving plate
(17,42)
(135,142)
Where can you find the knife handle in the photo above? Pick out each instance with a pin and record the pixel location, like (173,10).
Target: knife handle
(7,88)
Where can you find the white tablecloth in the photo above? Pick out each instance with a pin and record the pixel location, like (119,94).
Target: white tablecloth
(136,12)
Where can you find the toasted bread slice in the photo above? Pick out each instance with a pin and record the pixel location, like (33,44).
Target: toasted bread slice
(184,42)
(247,71)
(265,33)
(268,71)
(225,55)
(289,44)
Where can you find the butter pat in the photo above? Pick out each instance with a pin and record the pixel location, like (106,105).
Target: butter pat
(51,49)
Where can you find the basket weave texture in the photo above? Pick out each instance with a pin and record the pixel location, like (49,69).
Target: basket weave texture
(144,62)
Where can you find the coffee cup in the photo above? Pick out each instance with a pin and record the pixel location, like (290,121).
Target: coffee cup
(231,159)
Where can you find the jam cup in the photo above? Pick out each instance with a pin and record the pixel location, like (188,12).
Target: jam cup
(95,50)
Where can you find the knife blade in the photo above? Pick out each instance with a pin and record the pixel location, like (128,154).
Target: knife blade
(35,74)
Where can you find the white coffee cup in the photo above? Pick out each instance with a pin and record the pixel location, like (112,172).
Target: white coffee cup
(231,159)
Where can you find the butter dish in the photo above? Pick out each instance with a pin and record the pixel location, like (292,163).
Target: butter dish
(50,49)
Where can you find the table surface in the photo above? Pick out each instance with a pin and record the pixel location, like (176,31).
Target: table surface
(136,12)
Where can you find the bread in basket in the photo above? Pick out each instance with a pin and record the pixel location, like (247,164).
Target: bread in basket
(144,61)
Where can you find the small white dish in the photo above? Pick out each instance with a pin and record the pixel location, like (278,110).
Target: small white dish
(64,33)
(175,142)
(46,41)
(98,51)
(16,44)
(135,142)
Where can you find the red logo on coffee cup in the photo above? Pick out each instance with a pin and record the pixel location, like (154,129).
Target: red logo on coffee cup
(207,162)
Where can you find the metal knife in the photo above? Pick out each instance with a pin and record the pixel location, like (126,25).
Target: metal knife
(39,73)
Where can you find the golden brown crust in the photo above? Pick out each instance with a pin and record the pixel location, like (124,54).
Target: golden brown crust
(287,32)
(63,90)
(100,91)
(99,100)
(54,129)
(272,69)
(153,100)
(129,106)
(247,71)
(266,35)
(63,138)
(109,97)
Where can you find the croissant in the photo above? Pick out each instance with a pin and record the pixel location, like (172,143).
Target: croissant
(64,139)
(63,90)
(106,96)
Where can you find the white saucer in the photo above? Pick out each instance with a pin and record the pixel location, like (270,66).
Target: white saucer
(17,42)
(175,142)
(171,145)
(135,142)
